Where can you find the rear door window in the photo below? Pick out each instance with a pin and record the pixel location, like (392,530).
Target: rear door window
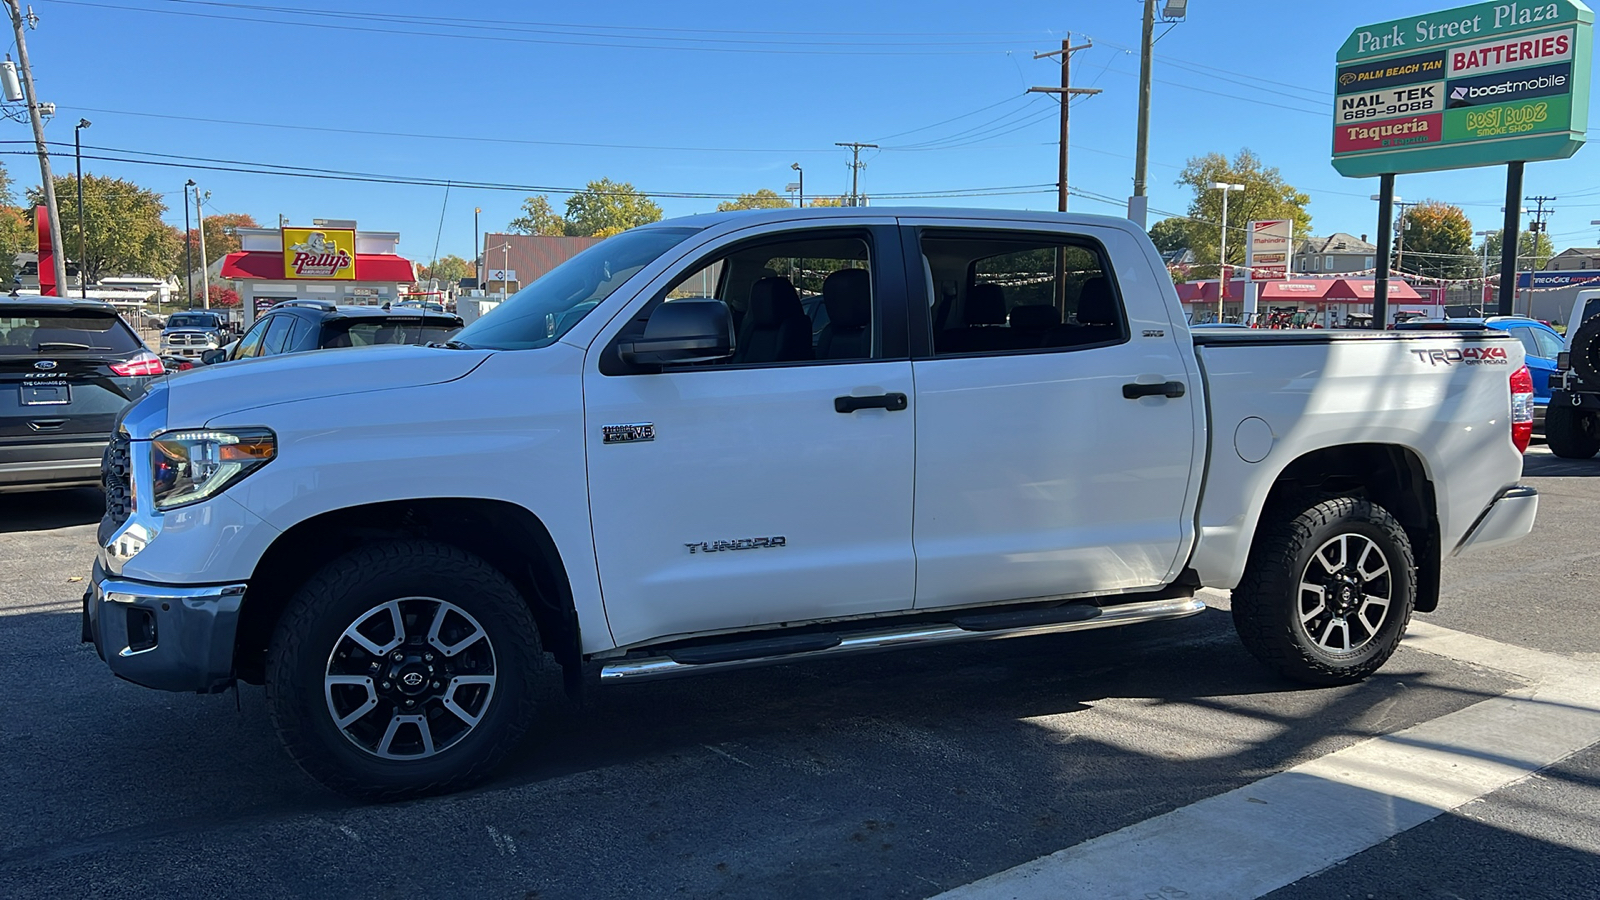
(24,332)
(1549,343)
(277,335)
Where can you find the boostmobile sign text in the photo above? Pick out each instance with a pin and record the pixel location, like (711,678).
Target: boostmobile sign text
(1478,85)
(325,254)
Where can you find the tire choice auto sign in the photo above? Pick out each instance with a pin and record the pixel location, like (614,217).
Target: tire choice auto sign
(1478,85)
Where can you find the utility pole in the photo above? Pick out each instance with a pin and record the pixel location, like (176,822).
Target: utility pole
(1536,228)
(200,226)
(855,167)
(1064,93)
(1141,154)
(188,246)
(45,179)
(1400,235)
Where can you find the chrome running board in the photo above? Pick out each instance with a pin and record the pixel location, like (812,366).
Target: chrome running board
(922,635)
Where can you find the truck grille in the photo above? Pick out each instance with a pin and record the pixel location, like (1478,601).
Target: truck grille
(116,478)
(186,340)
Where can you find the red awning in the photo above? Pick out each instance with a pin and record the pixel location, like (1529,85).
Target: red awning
(1363,289)
(1295,291)
(269,265)
(1206,291)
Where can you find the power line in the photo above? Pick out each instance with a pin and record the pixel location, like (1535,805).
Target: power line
(498,35)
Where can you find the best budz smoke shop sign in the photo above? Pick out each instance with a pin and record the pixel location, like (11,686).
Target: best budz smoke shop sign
(1478,85)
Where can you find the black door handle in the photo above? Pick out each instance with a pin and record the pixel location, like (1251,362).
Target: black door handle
(891,402)
(1172,390)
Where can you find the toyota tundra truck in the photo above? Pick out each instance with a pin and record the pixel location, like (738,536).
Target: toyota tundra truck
(768,436)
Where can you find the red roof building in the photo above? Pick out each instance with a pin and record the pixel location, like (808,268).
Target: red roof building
(329,261)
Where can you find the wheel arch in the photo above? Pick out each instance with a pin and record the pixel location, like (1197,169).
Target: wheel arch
(1393,476)
(509,537)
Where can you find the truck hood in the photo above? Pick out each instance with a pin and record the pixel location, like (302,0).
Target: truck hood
(199,395)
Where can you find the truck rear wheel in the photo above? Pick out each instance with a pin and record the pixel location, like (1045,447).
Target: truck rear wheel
(1572,433)
(1328,590)
(402,669)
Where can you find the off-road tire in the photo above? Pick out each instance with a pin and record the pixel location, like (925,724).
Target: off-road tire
(1266,604)
(1572,433)
(1585,352)
(339,594)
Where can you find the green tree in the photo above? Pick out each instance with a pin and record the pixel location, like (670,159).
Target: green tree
(1533,250)
(606,207)
(538,217)
(766,198)
(1265,196)
(449,269)
(1173,234)
(828,201)
(1437,239)
(123,231)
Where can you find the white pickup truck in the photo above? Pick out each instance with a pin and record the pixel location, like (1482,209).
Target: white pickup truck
(759,437)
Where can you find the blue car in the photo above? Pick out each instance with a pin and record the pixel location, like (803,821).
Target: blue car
(1541,342)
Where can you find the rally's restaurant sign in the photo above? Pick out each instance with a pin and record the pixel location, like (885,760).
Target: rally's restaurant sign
(319,253)
(1478,85)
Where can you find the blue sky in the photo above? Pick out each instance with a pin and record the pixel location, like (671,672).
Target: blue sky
(725,94)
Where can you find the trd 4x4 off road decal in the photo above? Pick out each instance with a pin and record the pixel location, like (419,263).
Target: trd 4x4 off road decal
(1466,356)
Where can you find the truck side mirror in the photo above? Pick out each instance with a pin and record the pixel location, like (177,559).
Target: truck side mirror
(690,330)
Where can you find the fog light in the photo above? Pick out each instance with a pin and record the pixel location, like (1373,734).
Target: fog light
(141,629)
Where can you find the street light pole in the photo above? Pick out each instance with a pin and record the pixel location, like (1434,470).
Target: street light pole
(1222,266)
(801,179)
(477,254)
(77,155)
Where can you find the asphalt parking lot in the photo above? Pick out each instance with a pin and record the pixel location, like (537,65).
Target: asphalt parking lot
(905,775)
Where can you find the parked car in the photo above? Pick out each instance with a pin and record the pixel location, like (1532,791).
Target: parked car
(67,368)
(190,334)
(1573,424)
(1540,343)
(295,326)
(393,540)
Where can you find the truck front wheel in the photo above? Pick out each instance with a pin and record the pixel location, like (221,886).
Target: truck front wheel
(402,669)
(1572,433)
(1328,590)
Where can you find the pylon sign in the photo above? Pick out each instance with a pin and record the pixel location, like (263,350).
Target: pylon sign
(1478,85)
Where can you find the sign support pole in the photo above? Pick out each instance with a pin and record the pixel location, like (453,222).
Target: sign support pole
(1510,238)
(1380,279)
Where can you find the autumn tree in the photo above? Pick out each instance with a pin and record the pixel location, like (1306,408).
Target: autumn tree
(221,238)
(1533,250)
(829,201)
(123,231)
(538,217)
(606,207)
(1436,239)
(223,297)
(449,269)
(16,232)
(766,198)
(1265,196)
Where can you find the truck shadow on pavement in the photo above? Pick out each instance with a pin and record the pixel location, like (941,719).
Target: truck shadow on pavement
(1051,740)
(1548,465)
(45,510)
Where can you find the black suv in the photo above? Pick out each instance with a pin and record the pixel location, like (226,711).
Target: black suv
(67,367)
(294,326)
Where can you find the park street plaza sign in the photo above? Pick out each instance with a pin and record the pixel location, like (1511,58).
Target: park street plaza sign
(325,254)
(1478,85)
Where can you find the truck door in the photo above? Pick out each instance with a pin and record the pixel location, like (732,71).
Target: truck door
(1055,418)
(774,486)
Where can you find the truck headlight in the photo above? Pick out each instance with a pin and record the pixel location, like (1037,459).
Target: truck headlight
(188,466)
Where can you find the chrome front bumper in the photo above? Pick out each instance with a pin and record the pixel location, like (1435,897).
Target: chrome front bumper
(168,637)
(1507,520)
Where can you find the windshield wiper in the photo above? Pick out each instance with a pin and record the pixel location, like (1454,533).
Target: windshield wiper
(60,345)
(452,344)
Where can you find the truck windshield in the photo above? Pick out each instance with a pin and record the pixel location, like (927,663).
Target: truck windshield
(191,321)
(539,314)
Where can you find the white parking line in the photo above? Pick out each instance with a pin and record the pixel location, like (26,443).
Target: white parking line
(1254,840)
